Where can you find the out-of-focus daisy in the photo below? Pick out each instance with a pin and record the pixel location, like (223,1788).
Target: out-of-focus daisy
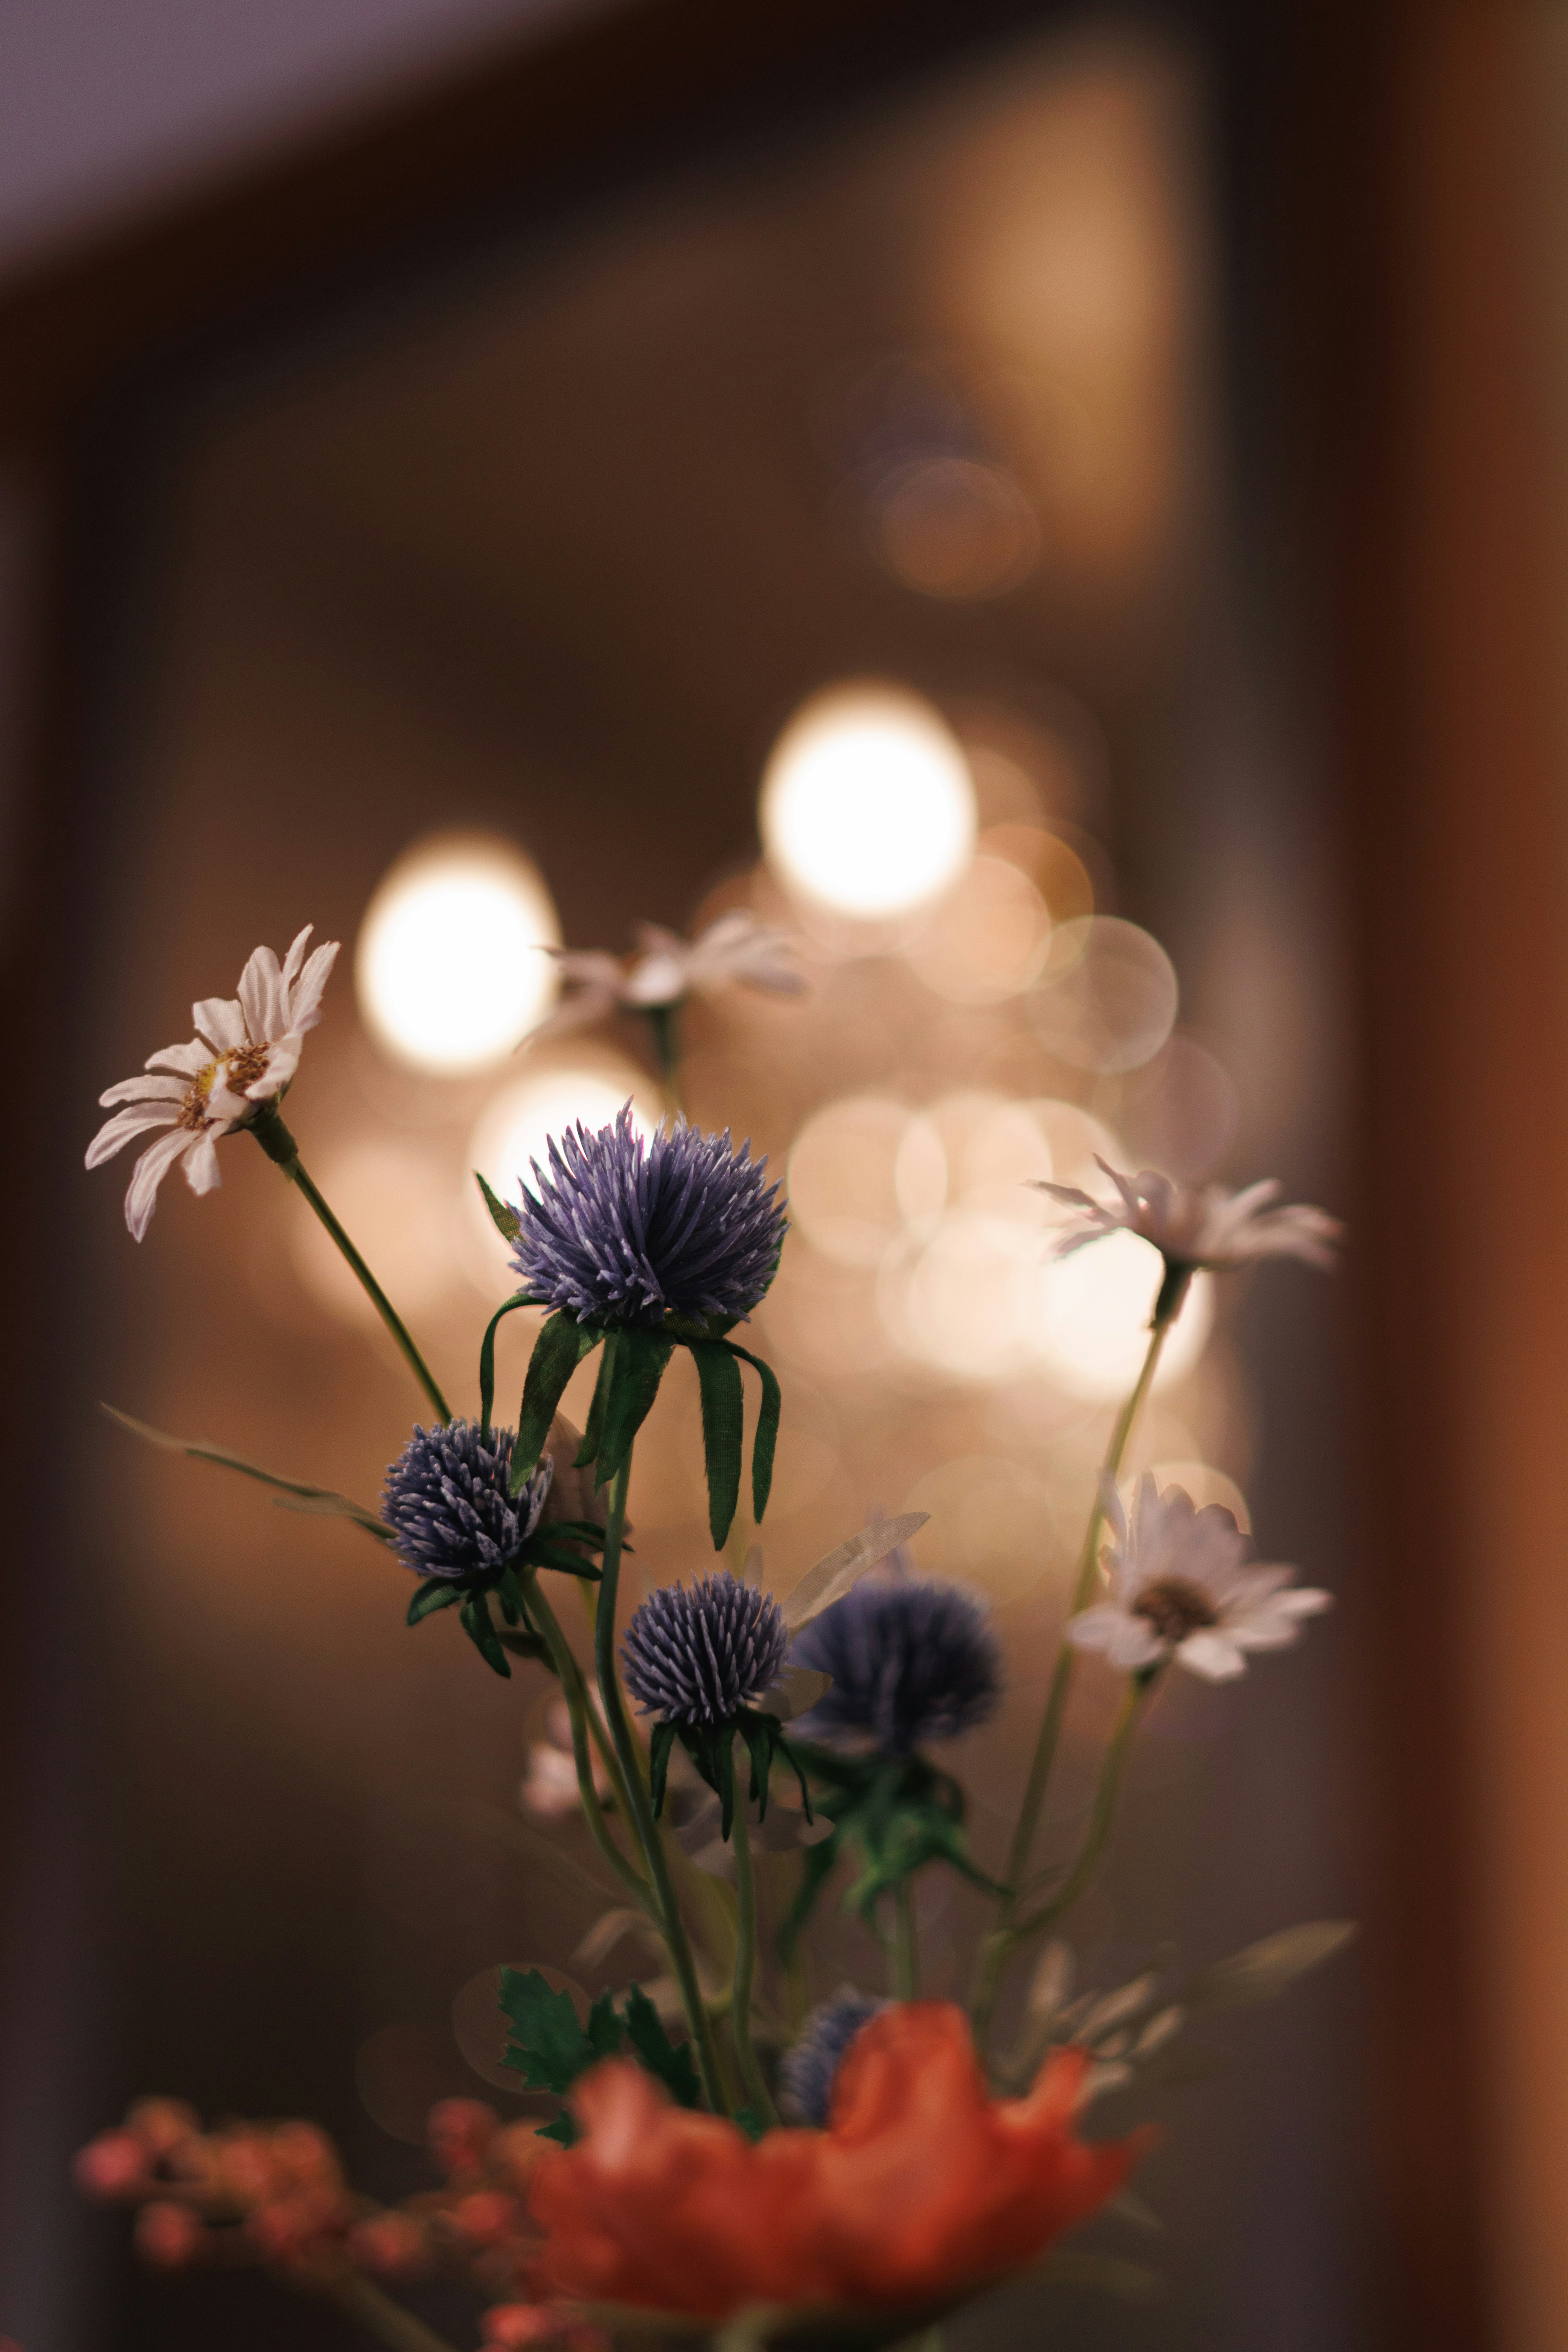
(1181,1588)
(245,1052)
(737,950)
(1213,1228)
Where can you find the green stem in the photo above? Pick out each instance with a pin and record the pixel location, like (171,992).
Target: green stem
(283,1151)
(377,2314)
(637,1796)
(752,2078)
(906,1946)
(573,1690)
(996,1946)
(1108,1788)
(664,1020)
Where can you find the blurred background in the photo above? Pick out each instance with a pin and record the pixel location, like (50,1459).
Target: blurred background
(1056,513)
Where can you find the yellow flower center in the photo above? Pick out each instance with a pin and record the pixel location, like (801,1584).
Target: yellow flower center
(239,1069)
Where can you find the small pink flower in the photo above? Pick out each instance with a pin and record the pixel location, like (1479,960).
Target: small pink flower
(390,2245)
(168,2236)
(459,2131)
(113,2165)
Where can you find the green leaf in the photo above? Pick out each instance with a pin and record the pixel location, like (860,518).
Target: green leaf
(1265,1968)
(304,1496)
(563,2130)
(750,2122)
(487,1354)
(433,1594)
(724,1432)
(640,1359)
(540,1553)
(547,2046)
(591,1435)
(765,1442)
(659,1752)
(557,1352)
(480,1627)
(603,2035)
(670,2061)
(525,1645)
(507,1221)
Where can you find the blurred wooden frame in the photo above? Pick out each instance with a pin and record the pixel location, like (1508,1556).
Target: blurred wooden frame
(1412,410)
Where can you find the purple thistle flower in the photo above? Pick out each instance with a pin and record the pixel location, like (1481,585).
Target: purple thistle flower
(912,1661)
(624,1230)
(808,2071)
(698,1653)
(447,1503)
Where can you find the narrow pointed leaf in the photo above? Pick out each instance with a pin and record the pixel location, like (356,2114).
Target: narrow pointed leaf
(480,1627)
(488,1355)
(670,2062)
(764,1445)
(659,1749)
(557,1352)
(596,1422)
(432,1595)
(640,1359)
(724,1432)
(1265,1968)
(303,1495)
(507,1221)
(832,1577)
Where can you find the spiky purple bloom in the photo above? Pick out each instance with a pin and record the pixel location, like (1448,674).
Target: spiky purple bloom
(447,1503)
(698,1653)
(625,1231)
(807,2073)
(912,1661)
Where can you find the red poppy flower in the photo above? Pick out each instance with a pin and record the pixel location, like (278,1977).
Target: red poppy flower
(923,2185)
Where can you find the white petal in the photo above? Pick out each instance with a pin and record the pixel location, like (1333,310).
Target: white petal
(657,979)
(146,1088)
(1127,1640)
(1211,1655)
(119,1130)
(145,1178)
(296,956)
(225,1107)
(202,1171)
(222,1019)
(303,1007)
(281,1063)
(189,1060)
(261,995)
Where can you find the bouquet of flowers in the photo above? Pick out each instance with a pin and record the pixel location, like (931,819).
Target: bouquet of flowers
(725,2160)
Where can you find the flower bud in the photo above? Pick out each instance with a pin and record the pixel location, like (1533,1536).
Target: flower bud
(305,2155)
(461,2130)
(168,2236)
(113,2165)
(515,2151)
(162,2124)
(485,2218)
(511,2326)
(389,2245)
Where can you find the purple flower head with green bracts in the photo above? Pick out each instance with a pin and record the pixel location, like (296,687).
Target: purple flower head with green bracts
(628,1231)
(912,1661)
(808,2071)
(699,1653)
(447,1503)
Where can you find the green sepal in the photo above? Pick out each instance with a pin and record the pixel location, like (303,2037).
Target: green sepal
(557,1352)
(507,1221)
(563,2130)
(527,1645)
(764,1445)
(711,1748)
(433,1594)
(641,1356)
(487,1354)
(509,1593)
(766,1740)
(892,1815)
(480,1627)
(749,2121)
(670,2062)
(723,1431)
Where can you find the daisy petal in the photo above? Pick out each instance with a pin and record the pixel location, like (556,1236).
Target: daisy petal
(190,1060)
(119,1130)
(222,1019)
(147,1175)
(302,1009)
(202,1171)
(1211,1655)
(143,1089)
(261,995)
(281,1063)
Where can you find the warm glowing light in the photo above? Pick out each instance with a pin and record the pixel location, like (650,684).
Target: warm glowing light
(398,1205)
(451,964)
(995,1521)
(1109,995)
(951,527)
(514,1129)
(867,806)
(843,1190)
(954,1307)
(1086,1318)
(988,938)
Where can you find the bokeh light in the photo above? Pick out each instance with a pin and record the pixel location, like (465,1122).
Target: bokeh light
(1109,995)
(995,1519)
(986,939)
(843,1178)
(1085,1317)
(514,1129)
(398,1204)
(450,966)
(867,806)
(953,527)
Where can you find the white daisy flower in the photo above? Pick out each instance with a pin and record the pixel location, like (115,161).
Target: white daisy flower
(245,1050)
(1214,1228)
(1181,1588)
(736,950)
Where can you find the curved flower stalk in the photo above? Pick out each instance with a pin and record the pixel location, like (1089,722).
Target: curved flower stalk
(922,2191)
(1182,1590)
(245,1052)
(737,949)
